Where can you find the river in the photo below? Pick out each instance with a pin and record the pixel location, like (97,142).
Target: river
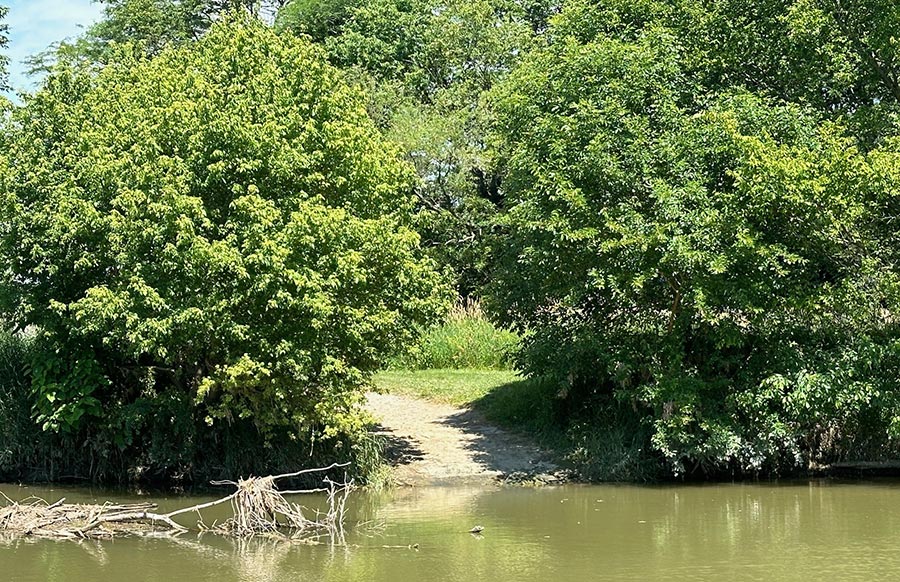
(806,530)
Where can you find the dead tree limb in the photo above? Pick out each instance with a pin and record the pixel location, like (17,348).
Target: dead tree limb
(258,507)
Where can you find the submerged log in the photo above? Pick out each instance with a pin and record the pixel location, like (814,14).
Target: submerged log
(258,507)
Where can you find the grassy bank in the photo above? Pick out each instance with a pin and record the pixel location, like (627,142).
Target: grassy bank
(448,386)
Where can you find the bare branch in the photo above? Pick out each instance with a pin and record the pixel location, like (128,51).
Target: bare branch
(306,471)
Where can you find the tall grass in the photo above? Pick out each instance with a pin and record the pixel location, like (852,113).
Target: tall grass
(20,437)
(466,339)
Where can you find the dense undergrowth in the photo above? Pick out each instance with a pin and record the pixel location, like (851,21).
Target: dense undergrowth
(171,446)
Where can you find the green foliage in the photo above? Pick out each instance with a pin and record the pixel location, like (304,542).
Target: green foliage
(687,210)
(714,258)
(155,24)
(148,25)
(4,41)
(439,51)
(19,435)
(318,19)
(426,65)
(601,442)
(64,386)
(216,235)
(466,339)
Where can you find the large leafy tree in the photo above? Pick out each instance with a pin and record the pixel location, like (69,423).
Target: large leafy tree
(837,56)
(220,225)
(426,65)
(691,246)
(151,25)
(158,23)
(4,60)
(318,19)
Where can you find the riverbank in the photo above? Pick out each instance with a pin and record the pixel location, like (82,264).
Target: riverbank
(467,424)
(599,448)
(431,443)
(588,448)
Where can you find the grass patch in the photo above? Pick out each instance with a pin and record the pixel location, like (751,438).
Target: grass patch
(465,340)
(448,386)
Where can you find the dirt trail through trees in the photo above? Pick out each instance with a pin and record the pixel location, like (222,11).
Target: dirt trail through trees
(432,443)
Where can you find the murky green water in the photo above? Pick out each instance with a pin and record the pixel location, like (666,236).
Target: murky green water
(797,531)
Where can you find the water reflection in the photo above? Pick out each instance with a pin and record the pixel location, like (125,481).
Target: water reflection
(796,531)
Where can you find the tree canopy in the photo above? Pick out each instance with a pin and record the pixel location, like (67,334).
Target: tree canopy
(426,65)
(220,224)
(684,239)
(4,41)
(686,208)
(148,25)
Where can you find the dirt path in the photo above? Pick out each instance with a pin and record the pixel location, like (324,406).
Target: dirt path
(432,443)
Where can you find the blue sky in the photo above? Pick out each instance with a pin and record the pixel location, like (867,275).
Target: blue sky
(35,24)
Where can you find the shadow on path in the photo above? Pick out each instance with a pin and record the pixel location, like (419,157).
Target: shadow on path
(398,450)
(496,449)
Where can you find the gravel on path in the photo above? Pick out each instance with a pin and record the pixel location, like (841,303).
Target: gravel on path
(430,443)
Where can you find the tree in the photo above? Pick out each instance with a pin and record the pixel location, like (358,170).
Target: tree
(4,41)
(319,19)
(150,24)
(694,251)
(221,226)
(426,65)
(837,56)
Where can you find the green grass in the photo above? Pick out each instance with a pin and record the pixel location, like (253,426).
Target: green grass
(465,340)
(448,386)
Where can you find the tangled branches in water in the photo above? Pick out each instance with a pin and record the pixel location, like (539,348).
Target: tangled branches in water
(258,508)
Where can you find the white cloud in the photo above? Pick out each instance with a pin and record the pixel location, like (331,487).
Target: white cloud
(36,24)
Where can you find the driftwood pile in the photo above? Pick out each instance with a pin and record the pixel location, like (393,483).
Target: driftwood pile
(258,508)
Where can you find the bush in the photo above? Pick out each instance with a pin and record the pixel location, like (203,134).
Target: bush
(215,237)
(717,264)
(466,339)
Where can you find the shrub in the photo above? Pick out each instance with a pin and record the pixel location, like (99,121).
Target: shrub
(716,263)
(19,434)
(216,237)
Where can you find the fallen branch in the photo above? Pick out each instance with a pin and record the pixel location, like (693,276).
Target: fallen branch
(136,516)
(258,508)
